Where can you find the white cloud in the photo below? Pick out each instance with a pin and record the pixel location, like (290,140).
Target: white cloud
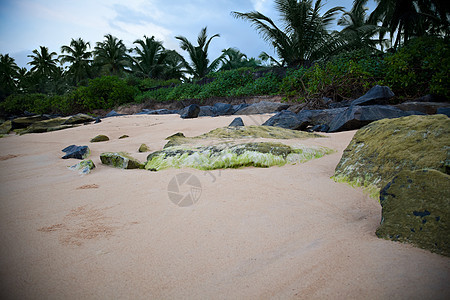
(263,6)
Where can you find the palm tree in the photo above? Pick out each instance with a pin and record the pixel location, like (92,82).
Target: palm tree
(175,65)
(198,55)
(78,57)
(8,75)
(234,59)
(357,31)
(111,55)
(409,18)
(151,56)
(303,37)
(43,62)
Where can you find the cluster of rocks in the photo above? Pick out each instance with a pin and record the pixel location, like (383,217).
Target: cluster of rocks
(409,160)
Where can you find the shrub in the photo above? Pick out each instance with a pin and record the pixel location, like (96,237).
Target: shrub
(103,93)
(420,67)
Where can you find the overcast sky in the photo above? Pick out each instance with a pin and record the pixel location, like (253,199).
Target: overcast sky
(27,24)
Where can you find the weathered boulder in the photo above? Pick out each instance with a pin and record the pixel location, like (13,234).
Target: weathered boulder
(380,150)
(47,126)
(143,148)
(223,109)
(84,166)
(238,107)
(24,122)
(113,113)
(6,127)
(416,209)
(429,108)
(207,111)
(162,111)
(262,107)
(237,122)
(355,117)
(190,112)
(444,111)
(79,119)
(100,138)
(226,155)
(376,95)
(78,152)
(285,119)
(120,160)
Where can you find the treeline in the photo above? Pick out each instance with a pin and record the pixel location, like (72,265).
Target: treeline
(413,60)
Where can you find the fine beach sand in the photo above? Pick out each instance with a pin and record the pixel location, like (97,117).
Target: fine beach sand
(255,233)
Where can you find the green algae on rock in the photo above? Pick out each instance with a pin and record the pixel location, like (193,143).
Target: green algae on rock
(120,160)
(225,155)
(143,148)
(100,138)
(380,150)
(242,132)
(84,166)
(46,126)
(416,209)
(6,127)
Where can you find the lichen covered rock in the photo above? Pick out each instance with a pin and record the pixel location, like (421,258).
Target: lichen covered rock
(241,132)
(416,209)
(380,150)
(100,138)
(120,160)
(47,126)
(225,155)
(79,119)
(6,127)
(144,148)
(84,166)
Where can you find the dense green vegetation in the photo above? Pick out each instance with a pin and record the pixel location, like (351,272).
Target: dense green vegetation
(312,62)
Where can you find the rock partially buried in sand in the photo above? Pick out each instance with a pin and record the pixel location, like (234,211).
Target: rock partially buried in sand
(241,132)
(79,119)
(84,166)
(6,127)
(236,122)
(144,148)
(47,126)
(78,152)
(416,209)
(100,138)
(380,150)
(123,136)
(224,155)
(120,160)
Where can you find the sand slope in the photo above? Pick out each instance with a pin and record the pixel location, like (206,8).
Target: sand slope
(281,232)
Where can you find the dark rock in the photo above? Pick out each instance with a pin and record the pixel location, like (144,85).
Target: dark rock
(429,108)
(78,152)
(345,103)
(430,98)
(443,111)
(162,111)
(207,111)
(124,136)
(320,128)
(262,107)
(190,112)
(237,122)
(223,109)
(376,95)
(285,119)
(296,108)
(416,209)
(355,117)
(143,148)
(238,107)
(46,126)
(113,113)
(100,138)
(79,119)
(97,120)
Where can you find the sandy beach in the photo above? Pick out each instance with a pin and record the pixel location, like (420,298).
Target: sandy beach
(255,233)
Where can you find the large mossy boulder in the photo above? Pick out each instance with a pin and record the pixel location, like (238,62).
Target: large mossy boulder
(380,150)
(47,126)
(79,119)
(120,160)
(226,155)
(416,209)
(240,132)
(24,122)
(6,127)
